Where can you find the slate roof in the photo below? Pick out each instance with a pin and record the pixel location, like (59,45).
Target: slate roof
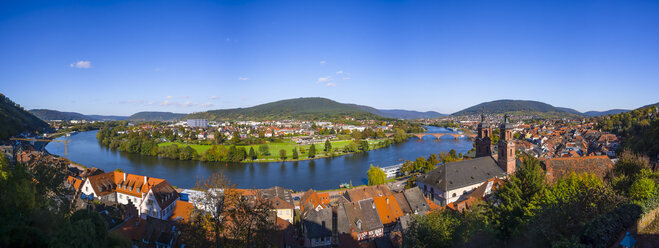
(462,173)
(402,203)
(281,198)
(362,216)
(313,223)
(416,200)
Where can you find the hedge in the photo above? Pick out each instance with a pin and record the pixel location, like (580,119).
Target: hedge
(605,229)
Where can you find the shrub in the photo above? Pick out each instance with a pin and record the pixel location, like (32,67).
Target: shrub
(641,189)
(603,231)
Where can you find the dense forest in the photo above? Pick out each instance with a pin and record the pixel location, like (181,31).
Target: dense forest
(639,129)
(48,114)
(518,107)
(313,108)
(155,116)
(14,119)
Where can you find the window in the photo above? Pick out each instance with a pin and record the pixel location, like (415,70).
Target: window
(454,194)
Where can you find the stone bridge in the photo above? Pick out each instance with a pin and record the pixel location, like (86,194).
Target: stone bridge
(438,135)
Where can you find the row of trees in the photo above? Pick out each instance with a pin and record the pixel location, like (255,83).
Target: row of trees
(528,211)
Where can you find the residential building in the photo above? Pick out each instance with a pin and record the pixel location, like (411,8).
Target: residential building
(201,123)
(152,196)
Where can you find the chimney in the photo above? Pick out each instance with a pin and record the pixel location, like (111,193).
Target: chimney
(124,176)
(387,200)
(145,179)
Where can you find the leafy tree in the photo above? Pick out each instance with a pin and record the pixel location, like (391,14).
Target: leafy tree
(399,135)
(295,154)
(83,229)
(328,145)
(252,153)
(514,201)
(435,229)
(235,220)
(376,176)
(264,150)
(364,145)
(642,189)
(282,154)
(312,151)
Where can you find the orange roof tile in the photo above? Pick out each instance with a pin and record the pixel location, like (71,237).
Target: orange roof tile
(182,211)
(388,209)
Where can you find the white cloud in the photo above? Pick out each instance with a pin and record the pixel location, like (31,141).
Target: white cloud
(243,78)
(322,62)
(82,64)
(168,103)
(188,104)
(185,97)
(330,84)
(132,102)
(346,78)
(339,72)
(206,105)
(170,97)
(324,79)
(214,97)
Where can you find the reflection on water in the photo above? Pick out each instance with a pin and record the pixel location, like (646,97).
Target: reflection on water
(324,173)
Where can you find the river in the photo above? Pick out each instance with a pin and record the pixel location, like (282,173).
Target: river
(319,174)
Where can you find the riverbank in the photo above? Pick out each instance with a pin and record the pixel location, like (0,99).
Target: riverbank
(338,148)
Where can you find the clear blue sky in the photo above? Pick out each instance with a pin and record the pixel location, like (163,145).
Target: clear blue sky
(121,57)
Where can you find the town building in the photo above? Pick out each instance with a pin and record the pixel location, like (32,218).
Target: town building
(151,196)
(201,123)
(448,182)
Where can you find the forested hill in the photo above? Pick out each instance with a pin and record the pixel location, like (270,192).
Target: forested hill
(517,107)
(49,115)
(155,116)
(607,112)
(14,119)
(399,113)
(311,108)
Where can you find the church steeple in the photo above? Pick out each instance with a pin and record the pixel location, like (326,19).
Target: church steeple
(506,149)
(483,141)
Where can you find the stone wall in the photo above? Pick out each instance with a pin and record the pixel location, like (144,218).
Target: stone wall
(646,219)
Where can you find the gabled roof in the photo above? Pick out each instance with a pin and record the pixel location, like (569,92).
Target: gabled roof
(388,209)
(560,167)
(362,216)
(313,199)
(74,182)
(134,185)
(281,198)
(318,223)
(368,192)
(463,173)
(416,200)
(164,193)
(402,203)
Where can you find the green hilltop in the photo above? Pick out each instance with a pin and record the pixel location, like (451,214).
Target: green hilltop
(518,107)
(309,108)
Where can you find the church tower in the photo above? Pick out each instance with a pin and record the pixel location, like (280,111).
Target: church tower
(506,147)
(483,141)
